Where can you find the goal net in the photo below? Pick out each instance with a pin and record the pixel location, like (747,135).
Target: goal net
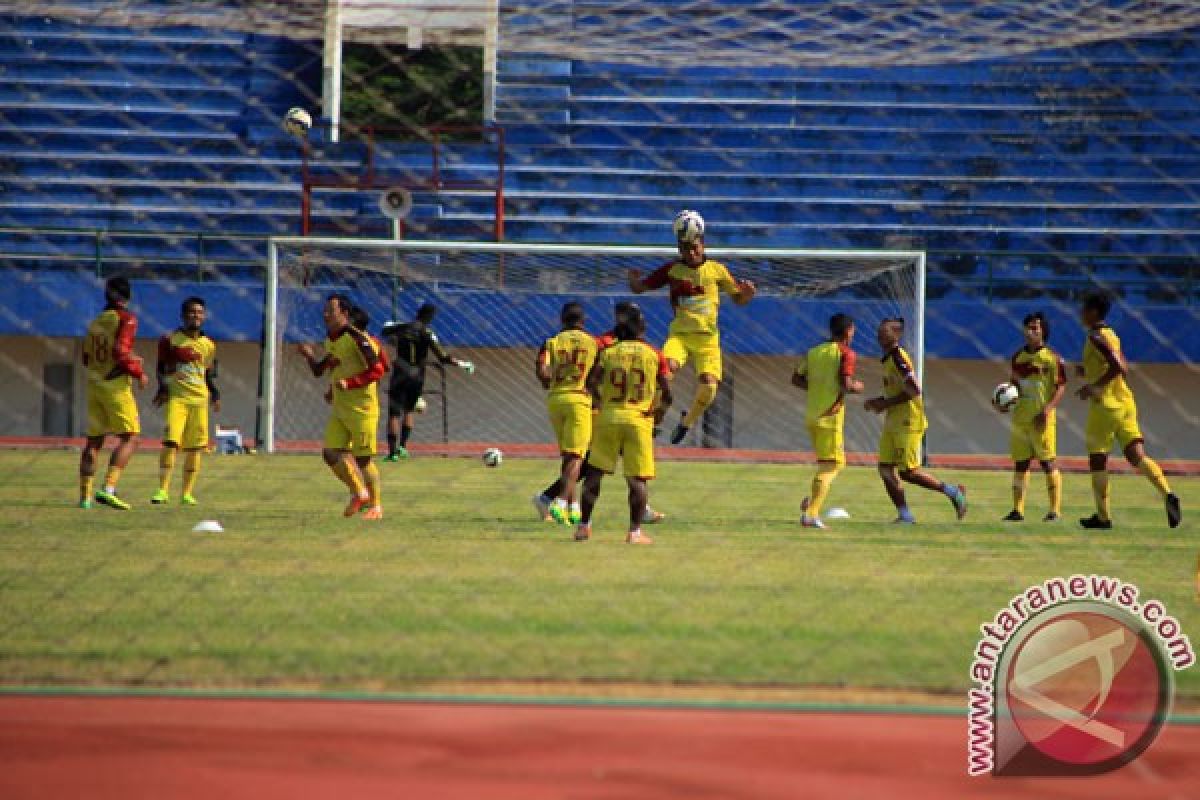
(498,302)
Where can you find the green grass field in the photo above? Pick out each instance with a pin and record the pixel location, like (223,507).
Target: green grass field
(460,583)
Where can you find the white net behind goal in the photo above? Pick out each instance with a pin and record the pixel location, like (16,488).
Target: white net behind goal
(498,302)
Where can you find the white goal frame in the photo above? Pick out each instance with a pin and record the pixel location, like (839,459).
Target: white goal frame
(270,355)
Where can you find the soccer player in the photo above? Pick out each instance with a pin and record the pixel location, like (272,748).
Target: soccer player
(903,427)
(695,284)
(562,367)
(353,362)
(413,342)
(628,382)
(1041,378)
(187,368)
(1112,412)
(543,501)
(826,372)
(112,368)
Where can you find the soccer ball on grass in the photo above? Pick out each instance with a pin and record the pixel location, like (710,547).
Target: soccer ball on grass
(492,457)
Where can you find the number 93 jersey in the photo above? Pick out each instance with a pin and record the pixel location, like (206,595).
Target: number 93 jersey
(632,371)
(570,355)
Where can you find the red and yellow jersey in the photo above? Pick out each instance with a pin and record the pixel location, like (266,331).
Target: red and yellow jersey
(826,366)
(570,355)
(631,374)
(184,362)
(1038,375)
(1102,342)
(695,293)
(108,349)
(354,356)
(897,372)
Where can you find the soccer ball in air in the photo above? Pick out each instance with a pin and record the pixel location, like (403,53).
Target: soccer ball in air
(688,226)
(1004,396)
(492,457)
(297,121)
(420,405)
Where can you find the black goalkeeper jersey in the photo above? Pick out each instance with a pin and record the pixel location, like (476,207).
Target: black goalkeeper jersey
(413,343)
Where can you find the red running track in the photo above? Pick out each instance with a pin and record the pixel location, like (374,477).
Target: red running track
(76,747)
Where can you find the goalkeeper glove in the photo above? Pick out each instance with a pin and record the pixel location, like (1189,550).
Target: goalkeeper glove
(467,366)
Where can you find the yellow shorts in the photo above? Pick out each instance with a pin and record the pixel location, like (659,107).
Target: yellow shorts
(828,444)
(1027,442)
(571,418)
(353,432)
(112,412)
(186,424)
(901,448)
(631,440)
(1104,424)
(703,349)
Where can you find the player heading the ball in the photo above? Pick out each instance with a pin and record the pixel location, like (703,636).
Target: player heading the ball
(695,285)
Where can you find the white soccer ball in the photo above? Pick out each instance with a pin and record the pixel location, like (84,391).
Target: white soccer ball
(837,513)
(493,457)
(1004,396)
(420,405)
(688,226)
(297,122)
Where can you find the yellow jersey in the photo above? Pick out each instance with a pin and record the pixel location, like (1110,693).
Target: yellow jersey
(354,357)
(826,366)
(629,385)
(184,363)
(570,354)
(1101,340)
(695,293)
(908,416)
(108,350)
(1038,375)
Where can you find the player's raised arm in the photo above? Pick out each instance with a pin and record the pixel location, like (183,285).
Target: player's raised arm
(655,280)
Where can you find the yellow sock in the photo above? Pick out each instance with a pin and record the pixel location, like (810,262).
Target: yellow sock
(166,465)
(705,394)
(821,483)
(374,485)
(1054,490)
(1020,486)
(191,470)
(111,477)
(1100,492)
(1149,467)
(85,487)
(348,474)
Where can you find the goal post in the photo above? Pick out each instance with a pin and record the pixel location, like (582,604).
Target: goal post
(498,301)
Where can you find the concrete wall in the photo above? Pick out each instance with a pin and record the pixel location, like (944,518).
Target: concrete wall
(502,402)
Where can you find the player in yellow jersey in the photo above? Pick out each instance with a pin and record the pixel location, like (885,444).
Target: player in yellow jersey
(352,360)
(696,283)
(1112,413)
(1041,378)
(904,426)
(562,367)
(826,372)
(112,368)
(628,382)
(187,367)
